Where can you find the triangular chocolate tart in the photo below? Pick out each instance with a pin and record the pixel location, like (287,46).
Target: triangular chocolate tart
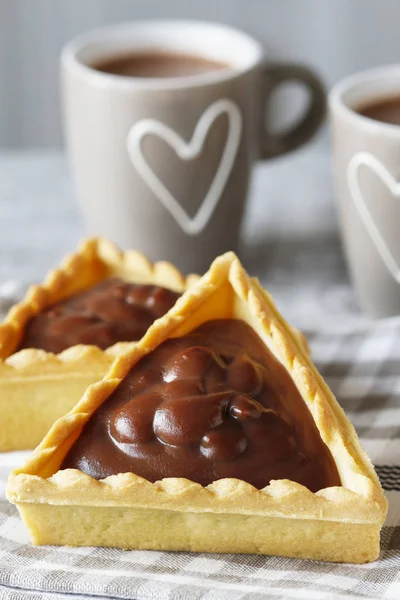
(214,433)
(66,332)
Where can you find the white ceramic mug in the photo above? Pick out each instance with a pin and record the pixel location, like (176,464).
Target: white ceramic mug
(367,169)
(163,164)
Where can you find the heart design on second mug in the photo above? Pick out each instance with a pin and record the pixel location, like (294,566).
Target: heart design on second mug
(189,151)
(368,160)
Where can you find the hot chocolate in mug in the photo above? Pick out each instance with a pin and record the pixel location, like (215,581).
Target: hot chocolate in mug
(164,121)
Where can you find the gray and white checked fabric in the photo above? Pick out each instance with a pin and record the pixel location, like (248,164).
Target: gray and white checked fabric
(363,369)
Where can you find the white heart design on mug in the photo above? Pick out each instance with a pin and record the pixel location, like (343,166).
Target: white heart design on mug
(368,160)
(189,151)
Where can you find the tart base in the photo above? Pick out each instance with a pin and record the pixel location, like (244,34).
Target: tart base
(153,529)
(47,401)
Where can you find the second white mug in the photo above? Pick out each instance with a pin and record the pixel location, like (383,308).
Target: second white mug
(367,169)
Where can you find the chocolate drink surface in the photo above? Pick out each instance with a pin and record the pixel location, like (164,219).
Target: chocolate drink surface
(386,110)
(157,64)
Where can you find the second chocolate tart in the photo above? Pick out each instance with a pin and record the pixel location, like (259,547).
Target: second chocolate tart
(66,332)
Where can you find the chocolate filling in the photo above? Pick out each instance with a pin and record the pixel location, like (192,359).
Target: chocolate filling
(109,312)
(212,404)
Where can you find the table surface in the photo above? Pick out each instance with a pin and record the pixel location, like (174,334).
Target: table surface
(290,238)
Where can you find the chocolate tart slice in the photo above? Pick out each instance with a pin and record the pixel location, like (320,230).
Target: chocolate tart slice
(66,332)
(215,433)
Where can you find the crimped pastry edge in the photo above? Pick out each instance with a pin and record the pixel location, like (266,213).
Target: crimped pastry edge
(360,500)
(94,260)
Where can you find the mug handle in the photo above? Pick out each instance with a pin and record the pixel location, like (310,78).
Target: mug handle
(274,75)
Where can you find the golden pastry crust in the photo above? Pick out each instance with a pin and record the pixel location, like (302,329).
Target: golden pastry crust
(342,523)
(37,387)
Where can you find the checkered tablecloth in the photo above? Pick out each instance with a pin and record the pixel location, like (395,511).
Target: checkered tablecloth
(363,368)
